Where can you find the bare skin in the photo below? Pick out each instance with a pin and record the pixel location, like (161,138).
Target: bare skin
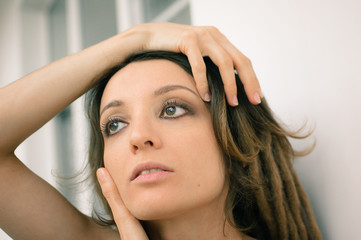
(189,202)
(29,207)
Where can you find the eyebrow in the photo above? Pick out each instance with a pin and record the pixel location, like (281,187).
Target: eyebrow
(169,88)
(115,103)
(160,91)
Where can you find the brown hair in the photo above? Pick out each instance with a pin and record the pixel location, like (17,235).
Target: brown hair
(265,199)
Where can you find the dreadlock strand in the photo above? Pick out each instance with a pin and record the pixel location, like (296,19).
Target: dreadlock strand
(308,217)
(293,233)
(316,233)
(291,191)
(262,203)
(271,169)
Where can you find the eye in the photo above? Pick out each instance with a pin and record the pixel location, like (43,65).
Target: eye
(174,110)
(113,126)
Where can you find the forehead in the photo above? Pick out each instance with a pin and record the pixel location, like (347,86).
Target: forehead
(143,77)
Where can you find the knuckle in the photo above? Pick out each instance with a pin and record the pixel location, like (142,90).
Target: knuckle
(108,195)
(226,61)
(203,32)
(238,62)
(198,67)
(190,35)
(243,61)
(107,191)
(212,29)
(229,84)
(202,85)
(248,61)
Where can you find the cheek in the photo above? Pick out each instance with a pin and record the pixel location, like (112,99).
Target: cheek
(114,162)
(200,144)
(200,158)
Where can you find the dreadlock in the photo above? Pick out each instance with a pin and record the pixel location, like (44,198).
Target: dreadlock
(271,202)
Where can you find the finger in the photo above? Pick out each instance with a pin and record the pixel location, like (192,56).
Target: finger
(129,227)
(243,66)
(225,64)
(249,81)
(199,73)
(111,193)
(191,49)
(247,75)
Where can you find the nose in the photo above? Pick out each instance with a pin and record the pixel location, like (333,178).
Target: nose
(144,135)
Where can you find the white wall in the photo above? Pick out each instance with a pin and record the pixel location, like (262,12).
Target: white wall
(9,41)
(307,56)
(9,50)
(23,48)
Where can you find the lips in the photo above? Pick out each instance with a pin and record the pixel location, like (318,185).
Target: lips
(148,167)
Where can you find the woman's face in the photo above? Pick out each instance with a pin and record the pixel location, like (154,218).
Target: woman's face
(159,143)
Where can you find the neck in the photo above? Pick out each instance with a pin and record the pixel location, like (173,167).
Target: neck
(207,223)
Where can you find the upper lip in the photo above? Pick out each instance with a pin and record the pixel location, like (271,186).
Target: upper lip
(147,166)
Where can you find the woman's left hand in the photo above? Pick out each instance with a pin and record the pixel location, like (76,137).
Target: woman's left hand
(128,226)
(197,42)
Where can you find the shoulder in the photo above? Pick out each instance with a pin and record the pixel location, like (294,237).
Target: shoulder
(97,231)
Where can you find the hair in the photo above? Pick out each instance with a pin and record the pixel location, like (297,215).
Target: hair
(265,199)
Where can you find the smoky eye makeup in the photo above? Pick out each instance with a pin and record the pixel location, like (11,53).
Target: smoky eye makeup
(171,109)
(112,126)
(174,108)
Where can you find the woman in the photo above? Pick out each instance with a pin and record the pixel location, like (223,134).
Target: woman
(30,208)
(172,159)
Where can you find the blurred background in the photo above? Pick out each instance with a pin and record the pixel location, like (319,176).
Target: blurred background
(306,54)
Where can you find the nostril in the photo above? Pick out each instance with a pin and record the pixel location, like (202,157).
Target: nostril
(137,147)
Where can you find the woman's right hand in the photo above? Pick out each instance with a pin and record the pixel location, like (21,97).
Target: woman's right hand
(128,226)
(197,42)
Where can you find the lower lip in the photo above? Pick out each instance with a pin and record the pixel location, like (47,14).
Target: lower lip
(152,177)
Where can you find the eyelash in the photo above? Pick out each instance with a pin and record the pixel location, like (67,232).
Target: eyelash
(174,102)
(105,126)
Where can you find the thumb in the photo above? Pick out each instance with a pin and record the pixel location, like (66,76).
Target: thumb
(129,227)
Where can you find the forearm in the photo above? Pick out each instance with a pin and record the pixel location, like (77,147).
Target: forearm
(32,209)
(31,101)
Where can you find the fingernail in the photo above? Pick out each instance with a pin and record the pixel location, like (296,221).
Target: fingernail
(257,98)
(207,97)
(101,174)
(235,100)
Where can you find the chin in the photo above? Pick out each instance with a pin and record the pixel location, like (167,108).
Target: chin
(151,203)
(158,212)
(163,208)
(156,208)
